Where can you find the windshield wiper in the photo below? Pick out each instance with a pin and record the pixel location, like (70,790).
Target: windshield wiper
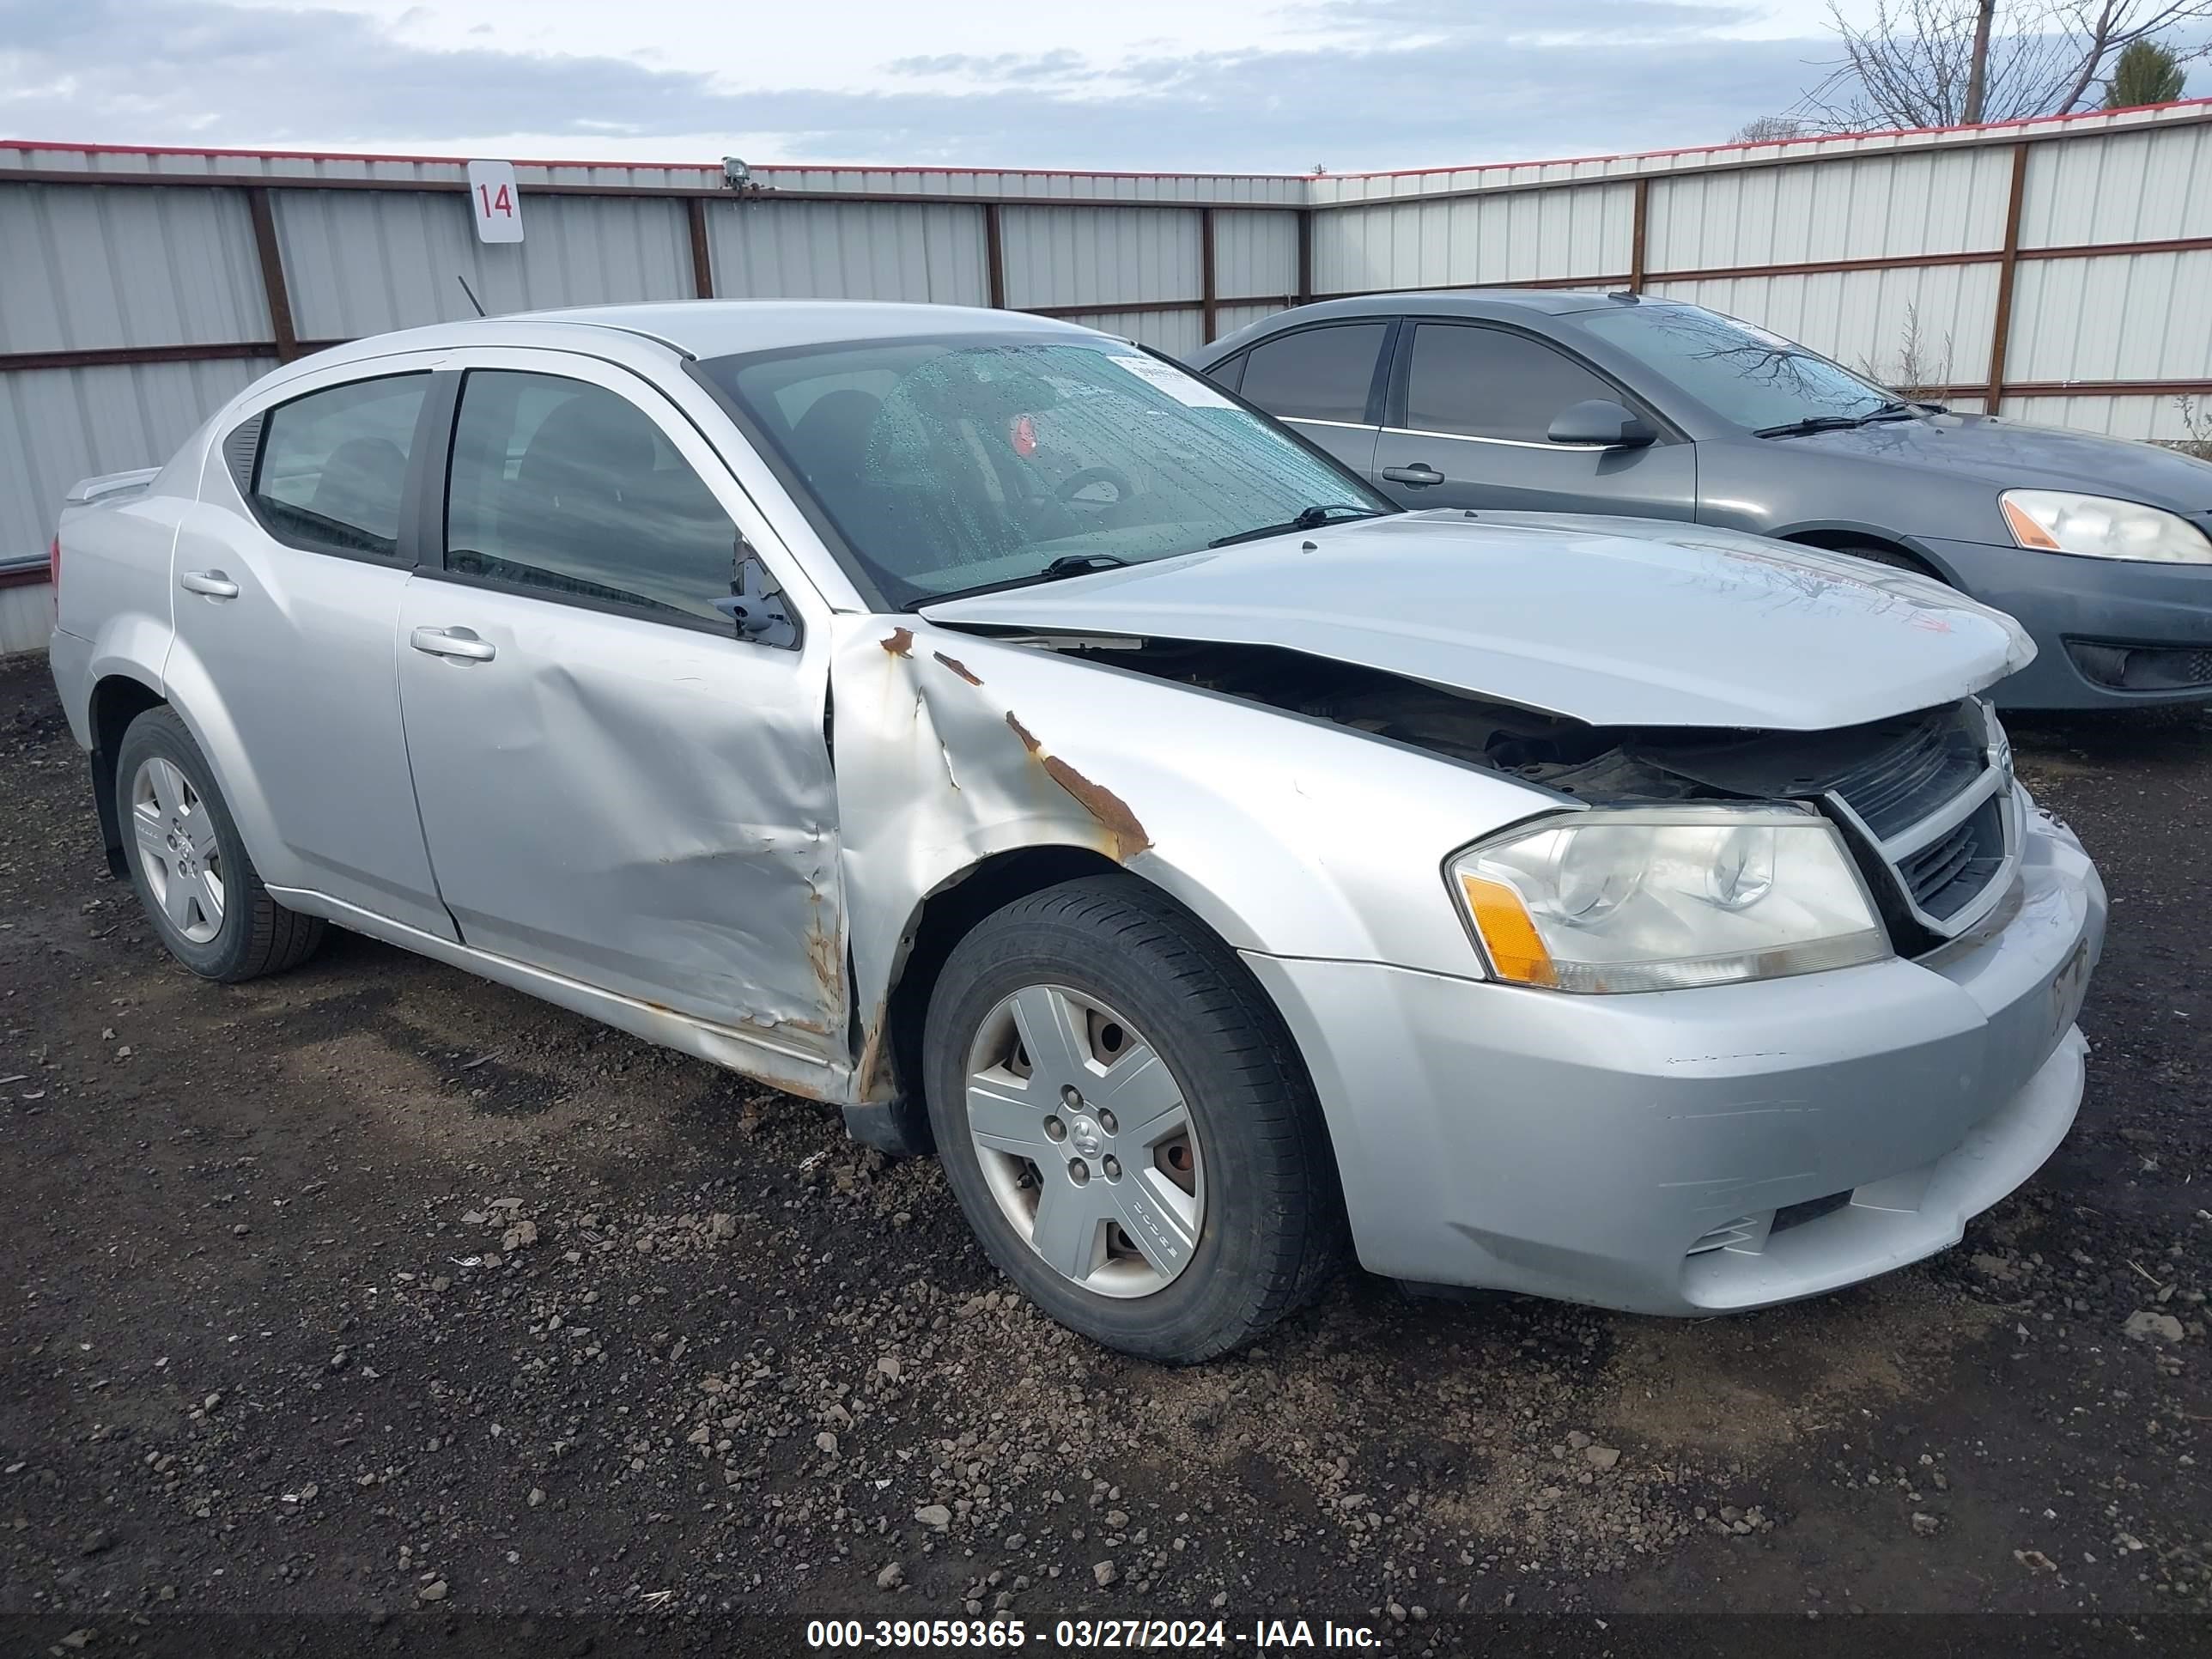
(1076,564)
(1810,423)
(1068,564)
(1312,518)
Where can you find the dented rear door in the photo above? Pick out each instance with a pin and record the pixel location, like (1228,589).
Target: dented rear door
(614,785)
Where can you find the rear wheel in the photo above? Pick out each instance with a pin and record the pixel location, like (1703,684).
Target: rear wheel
(190,868)
(1123,1120)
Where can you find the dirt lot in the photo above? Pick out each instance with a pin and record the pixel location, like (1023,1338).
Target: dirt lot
(373,1301)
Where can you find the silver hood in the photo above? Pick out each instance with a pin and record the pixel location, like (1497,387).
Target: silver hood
(1616,622)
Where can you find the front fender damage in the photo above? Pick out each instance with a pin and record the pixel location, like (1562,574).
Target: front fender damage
(937,772)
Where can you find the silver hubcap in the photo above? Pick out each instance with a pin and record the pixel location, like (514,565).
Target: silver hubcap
(177,849)
(1085,1141)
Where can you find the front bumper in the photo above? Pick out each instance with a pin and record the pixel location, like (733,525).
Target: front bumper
(2066,603)
(1692,1152)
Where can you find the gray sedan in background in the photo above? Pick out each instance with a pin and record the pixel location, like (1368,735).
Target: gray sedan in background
(1587,403)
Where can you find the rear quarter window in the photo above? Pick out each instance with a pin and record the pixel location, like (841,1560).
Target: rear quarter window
(331,472)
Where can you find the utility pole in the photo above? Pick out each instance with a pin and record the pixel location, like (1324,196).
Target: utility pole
(1977,72)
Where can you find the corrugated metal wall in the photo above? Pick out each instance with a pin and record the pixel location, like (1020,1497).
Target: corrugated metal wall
(1894,253)
(847,251)
(127,314)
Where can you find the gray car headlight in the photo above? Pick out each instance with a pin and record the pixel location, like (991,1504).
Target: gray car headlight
(1657,898)
(2099,527)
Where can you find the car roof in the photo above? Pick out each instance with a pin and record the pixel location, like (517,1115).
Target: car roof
(1492,304)
(718,328)
(703,328)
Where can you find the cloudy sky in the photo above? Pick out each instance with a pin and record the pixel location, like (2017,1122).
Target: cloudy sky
(1257,85)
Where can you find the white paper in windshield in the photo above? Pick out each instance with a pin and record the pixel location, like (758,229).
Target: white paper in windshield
(1186,389)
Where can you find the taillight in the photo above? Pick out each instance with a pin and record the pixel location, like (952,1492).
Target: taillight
(54,577)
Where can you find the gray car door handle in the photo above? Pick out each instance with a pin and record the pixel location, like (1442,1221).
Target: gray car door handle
(1418,475)
(452,643)
(213,583)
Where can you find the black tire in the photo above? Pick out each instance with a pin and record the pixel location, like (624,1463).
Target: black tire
(1273,1229)
(1895,560)
(256,935)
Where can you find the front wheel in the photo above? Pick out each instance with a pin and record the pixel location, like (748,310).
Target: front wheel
(1125,1124)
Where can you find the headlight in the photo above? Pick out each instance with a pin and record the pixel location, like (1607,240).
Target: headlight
(2055,521)
(1652,899)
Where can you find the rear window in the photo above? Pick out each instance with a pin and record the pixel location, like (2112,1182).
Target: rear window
(1316,373)
(333,472)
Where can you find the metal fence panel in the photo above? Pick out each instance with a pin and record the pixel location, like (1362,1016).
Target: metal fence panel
(362,262)
(1066,256)
(2142,185)
(1256,254)
(1861,208)
(85,268)
(1528,236)
(2124,317)
(59,425)
(849,251)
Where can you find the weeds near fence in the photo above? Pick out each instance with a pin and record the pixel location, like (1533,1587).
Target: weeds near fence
(1923,371)
(2197,422)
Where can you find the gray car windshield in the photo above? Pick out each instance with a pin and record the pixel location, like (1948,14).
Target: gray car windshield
(1744,374)
(947,466)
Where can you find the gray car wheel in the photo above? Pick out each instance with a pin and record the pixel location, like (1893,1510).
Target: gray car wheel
(191,868)
(1126,1124)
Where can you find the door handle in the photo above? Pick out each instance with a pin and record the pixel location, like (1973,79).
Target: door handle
(213,583)
(1420,475)
(452,643)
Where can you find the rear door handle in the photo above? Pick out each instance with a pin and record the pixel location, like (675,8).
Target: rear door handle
(452,643)
(1420,475)
(213,583)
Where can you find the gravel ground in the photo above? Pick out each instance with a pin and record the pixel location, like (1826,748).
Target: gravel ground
(377,1302)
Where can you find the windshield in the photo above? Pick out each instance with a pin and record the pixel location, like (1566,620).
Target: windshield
(946,465)
(1740,373)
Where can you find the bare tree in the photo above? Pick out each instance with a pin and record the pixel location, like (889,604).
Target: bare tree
(1949,63)
(1769,129)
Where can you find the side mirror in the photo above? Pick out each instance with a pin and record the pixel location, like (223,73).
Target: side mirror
(756,605)
(1603,423)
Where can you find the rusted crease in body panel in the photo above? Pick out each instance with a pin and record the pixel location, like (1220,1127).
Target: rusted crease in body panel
(911,824)
(824,956)
(867,1084)
(1112,812)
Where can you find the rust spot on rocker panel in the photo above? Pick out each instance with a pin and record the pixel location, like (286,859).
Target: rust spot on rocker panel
(899,642)
(958,667)
(868,1084)
(1112,812)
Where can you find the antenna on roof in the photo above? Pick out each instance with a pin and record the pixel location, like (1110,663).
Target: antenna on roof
(471,292)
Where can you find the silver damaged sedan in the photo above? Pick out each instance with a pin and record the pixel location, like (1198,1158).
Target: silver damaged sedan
(979,724)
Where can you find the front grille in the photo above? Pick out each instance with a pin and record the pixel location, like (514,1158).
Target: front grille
(1924,767)
(1948,875)
(1882,782)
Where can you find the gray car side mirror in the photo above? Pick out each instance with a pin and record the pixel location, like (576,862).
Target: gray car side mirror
(1600,421)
